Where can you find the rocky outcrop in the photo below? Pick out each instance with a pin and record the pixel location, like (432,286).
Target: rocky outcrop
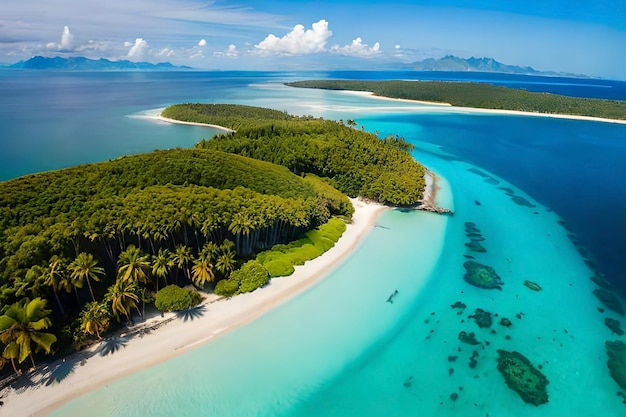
(482,276)
(522,377)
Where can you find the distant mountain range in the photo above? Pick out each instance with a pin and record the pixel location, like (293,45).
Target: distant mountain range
(454,63)
(86,64)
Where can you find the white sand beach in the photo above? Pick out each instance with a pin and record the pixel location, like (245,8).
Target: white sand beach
(170,335)
(447,107)
(168,120)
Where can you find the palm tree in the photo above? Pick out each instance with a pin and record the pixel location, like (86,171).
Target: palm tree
(182,258)
(123,296)
(134,265)
(161,265)
(85,268)
(21,326)
(54,274)
(226,258)
(241,224)
(202,271)
(95,318)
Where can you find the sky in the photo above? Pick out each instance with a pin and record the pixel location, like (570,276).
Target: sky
(575,36)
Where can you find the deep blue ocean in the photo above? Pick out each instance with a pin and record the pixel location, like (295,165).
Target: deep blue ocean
(323,353)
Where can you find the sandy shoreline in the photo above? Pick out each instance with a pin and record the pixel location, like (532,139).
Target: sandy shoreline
(450,107)
(85,371)
(168,120)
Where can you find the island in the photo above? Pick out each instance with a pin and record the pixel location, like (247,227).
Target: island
(479,96)
(85,251)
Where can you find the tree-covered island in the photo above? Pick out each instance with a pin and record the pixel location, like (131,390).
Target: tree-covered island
(478,95)
(82,247)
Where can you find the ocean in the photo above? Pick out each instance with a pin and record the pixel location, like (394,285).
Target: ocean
(546,195)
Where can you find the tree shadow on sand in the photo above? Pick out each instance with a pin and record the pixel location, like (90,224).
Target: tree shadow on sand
(59,372)
(112,345)
(191,313)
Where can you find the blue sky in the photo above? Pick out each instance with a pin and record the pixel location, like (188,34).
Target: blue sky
(587,37)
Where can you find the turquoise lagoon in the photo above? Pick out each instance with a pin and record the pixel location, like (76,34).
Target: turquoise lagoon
(339,349)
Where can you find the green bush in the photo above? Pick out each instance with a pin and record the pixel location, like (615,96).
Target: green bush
(173,298)
(226,287)
(279,267)
(251,276)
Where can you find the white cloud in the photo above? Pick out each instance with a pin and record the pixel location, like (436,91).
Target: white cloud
(231,52)
(67,41)
(165,52)
(202,42)
(138,49)
(296,42)
(357,48)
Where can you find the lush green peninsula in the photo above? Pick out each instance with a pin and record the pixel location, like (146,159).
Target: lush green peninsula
(82,247)
(478,95)
(355,162)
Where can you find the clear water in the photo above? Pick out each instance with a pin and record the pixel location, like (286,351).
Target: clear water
(340,349)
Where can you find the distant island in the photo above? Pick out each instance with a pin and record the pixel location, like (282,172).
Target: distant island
(479,96)
(454,63)
(80,63)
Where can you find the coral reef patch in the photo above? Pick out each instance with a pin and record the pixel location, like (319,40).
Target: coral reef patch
(609,300)
(522,377)
(617,361)
(532,285)
(482,276)
(482,318)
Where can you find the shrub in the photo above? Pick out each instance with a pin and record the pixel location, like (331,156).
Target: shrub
(251,276)
(226,287)
(173,298)
(279,267)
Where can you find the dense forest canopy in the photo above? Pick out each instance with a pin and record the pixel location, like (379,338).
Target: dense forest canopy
(356,162)
(478,95)
(87,245)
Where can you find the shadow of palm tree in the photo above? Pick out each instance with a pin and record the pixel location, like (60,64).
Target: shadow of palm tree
(112,345)
(59,372)
(191,313)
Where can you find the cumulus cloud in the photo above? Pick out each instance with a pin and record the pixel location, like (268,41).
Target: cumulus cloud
(231,52)
(357,48)
(67,41)
(138,49)
(296,42)
(166,52)
(202,42)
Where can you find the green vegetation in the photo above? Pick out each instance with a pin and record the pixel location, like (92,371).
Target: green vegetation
(175,298)
(355,162)
(281,259)
(249,277)
(478,95)
(98,242)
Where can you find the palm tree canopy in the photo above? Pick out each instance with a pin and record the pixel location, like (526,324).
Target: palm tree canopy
(134,265)
(21,325)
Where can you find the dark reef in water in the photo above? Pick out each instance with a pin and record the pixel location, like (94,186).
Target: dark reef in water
(469,338)
(482,318)
(609,300)
(617,361)
(532,285)
(522,377)
(614,325)
(482,276)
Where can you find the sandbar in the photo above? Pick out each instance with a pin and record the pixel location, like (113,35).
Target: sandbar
(49,387)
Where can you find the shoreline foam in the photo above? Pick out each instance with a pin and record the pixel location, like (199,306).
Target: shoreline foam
(41,396)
